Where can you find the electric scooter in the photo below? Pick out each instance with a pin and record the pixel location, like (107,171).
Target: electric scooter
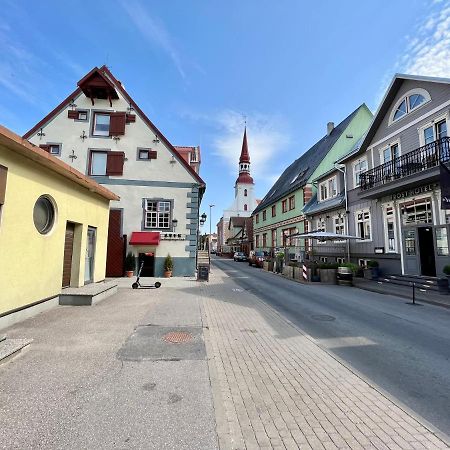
(137,284)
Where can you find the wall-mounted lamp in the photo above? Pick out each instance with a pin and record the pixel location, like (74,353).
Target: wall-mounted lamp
(174,223)
(202,219)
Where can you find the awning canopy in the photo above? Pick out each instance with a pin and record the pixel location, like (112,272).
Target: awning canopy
(324,236)
(145,238)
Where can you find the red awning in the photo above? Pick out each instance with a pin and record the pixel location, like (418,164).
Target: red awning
(144,238)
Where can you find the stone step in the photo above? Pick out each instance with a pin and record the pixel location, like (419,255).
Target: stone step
(9,347)
(87,295)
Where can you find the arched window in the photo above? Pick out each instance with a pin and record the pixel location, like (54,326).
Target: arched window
(409,102)
(245,207)
(245,192)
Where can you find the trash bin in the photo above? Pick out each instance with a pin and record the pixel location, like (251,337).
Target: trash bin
(344,276)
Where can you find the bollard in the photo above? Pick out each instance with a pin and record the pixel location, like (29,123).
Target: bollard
(414,293)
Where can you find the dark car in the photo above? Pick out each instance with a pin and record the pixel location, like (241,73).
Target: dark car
(240,256)
(257,258)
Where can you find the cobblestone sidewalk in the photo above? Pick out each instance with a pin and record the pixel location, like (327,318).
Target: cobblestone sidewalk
(274,387)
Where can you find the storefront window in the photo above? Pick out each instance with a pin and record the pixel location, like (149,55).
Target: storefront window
(416,212)
(390,230)
(410,242)
(441,242)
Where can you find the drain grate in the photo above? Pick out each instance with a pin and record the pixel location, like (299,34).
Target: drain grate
(323,317)
(177,337)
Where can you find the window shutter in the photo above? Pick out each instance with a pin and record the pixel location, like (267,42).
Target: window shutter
(114,163)
(152,154)
(131,118)
(72,114)
(117,124)
(45,147)
(3,175)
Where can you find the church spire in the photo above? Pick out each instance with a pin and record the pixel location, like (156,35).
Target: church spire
(244,163)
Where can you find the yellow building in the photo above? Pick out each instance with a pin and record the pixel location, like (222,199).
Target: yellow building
(53,226)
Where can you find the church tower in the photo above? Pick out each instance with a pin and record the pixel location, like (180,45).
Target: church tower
(244,199)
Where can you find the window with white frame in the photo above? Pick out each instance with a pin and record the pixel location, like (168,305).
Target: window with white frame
(434,131)
(409,102)
(359,167)
(389,153)
(101,124)
(321,224)
(327,189)
(390,230)
(363,228)
(157,213)
(339,224)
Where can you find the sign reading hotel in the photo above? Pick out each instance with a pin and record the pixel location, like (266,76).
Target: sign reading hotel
(411,192)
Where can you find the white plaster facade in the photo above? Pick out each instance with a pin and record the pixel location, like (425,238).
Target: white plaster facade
(165,177)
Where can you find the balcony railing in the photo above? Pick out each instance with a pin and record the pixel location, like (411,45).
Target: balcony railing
(418,160)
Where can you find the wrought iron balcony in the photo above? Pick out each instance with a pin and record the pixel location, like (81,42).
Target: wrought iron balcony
(418,160)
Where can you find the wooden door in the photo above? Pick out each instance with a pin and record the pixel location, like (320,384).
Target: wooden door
(116,245)
(68,253)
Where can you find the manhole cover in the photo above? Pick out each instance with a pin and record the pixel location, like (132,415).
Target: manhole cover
(323,317)
(177,337)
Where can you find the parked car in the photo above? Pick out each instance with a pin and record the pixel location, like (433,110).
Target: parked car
(257,258)
(240,256)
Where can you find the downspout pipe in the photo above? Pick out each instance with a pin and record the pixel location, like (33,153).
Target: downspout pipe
(343,168)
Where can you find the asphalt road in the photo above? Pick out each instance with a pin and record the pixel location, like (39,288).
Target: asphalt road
(402,348)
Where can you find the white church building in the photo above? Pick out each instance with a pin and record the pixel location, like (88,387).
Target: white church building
(243,204)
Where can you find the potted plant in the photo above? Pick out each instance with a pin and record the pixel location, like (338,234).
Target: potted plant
(279,258)
(446,270)
(130,264)
(345,273)
(327,272)
(372,272)
(168,266)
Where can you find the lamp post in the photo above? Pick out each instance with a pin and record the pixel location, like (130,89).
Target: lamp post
(202,222)
(210,238)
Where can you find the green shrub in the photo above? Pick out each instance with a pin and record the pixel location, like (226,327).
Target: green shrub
(328,265)
(168,263)
(371,264)
(446,269)
(130,262)
(353,267)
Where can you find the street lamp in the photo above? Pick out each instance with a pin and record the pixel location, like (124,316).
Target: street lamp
(210,238)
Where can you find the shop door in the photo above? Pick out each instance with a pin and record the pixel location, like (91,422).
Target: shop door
(149,264)
(411,255)
(426,251)
(89,258)
(68,253)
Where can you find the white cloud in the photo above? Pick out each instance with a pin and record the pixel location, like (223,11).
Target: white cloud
(427,48)
(154,30)
(428,53)
(267,140)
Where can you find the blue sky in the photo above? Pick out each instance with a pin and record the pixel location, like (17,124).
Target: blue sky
(198,67)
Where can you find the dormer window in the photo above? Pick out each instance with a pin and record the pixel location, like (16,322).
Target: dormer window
(408,103)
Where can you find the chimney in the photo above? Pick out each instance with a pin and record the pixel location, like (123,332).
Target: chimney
(330,128)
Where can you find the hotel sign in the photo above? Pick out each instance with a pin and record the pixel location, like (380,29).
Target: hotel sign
(412,192)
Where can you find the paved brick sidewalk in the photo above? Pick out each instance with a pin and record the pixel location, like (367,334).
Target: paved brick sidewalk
(274,387)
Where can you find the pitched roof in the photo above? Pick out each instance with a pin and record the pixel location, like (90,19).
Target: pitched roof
(118,85)
(385,104)
(314,206)
(25,148)
(298,173)
(245,157)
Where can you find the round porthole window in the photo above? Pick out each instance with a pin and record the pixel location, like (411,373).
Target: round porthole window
(43,215)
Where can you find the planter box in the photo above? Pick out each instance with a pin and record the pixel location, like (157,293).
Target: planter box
(371,273)
(328,276)
(288,271)
(266,265)
(298,273)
